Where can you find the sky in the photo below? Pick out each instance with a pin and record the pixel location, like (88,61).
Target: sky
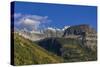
(31,15)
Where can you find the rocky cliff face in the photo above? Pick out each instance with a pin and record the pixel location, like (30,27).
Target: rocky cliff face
(75,43)
(85,33)
(78,29)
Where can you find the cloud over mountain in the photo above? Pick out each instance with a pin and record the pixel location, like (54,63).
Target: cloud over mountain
(30,22)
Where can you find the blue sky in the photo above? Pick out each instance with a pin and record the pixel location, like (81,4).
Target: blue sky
(59,15)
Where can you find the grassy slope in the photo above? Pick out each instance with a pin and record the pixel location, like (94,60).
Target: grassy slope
(27,52)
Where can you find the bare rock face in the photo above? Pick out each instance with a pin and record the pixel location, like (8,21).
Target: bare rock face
(31,36)
(78,29)
(85,33)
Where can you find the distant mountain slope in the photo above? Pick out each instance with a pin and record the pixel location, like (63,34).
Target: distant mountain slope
(26,52)
(82,32)
(74,50)
(68,48)
(52,47)
(78,29)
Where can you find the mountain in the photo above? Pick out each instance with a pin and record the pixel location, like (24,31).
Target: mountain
(31,35)
(77,32)
(55,32)
(77,29)
(79,43)
(27,52)
(82,32)
(69,49)
(65,27)
(50,50)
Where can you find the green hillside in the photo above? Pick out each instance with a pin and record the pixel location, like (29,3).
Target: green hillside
(26,52)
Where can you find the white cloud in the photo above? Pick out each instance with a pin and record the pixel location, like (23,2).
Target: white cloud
(36,17)
(30,21)
(52,29)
